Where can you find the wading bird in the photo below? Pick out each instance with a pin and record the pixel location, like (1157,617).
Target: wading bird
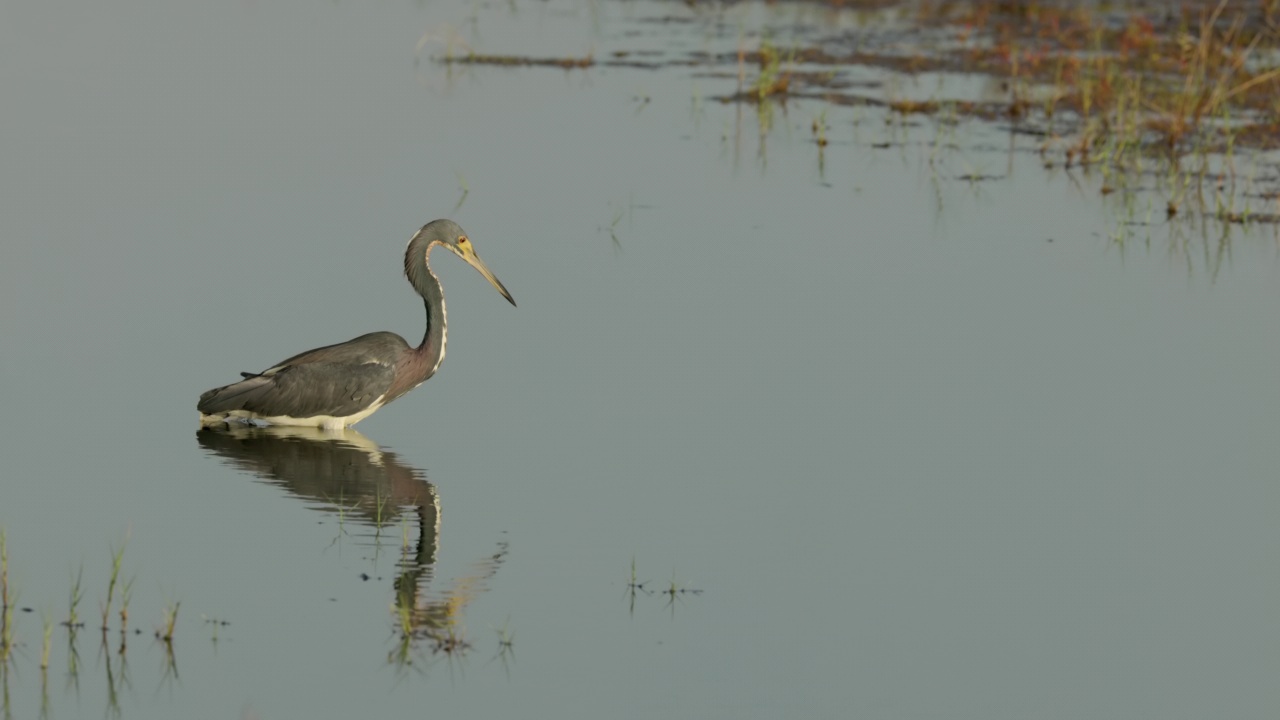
(339,385)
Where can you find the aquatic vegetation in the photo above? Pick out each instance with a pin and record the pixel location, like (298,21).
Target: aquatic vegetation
(113,663)
(772,79)
(46,642)
(126,593)
(673,591)
(117,558)
(7,601)
(74,597)
(1121,92)
(1124,89)
(165,631)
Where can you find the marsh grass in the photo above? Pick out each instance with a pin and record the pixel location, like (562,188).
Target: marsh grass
(168,622)
(74,596)
(114,683)
(7,602)
(676,590)
(506,638)
(819,129)
(46,642)
(73,660)
(1127,90)
(170,674)
(673,591)
(506,653)
(1156,76)
(341,509)
(126,594)
(635,587)
(117,559)
(1124,91)
(381,505)
(114,664)
(1132,89)
(448,640)
(44,694)
(772,80)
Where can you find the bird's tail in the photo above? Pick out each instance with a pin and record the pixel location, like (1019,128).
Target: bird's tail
(231,397)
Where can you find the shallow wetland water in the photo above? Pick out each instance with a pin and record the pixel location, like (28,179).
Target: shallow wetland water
(855,372)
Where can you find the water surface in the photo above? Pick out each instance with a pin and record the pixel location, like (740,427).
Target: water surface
(925,447)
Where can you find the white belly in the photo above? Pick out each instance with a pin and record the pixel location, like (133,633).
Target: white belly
(329,422)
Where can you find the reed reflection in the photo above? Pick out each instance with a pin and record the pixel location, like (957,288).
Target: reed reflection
(343,471)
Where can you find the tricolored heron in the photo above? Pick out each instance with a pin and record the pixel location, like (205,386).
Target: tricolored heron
(340,385)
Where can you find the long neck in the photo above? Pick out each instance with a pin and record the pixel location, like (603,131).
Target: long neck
(416,366)
(435,336)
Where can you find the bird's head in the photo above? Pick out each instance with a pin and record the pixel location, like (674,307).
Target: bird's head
(447,234)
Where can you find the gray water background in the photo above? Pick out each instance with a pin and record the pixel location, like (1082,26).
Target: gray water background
(928,448)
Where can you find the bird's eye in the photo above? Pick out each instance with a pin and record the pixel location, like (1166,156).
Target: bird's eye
(462,239)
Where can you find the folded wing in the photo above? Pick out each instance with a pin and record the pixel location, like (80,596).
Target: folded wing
(302,391)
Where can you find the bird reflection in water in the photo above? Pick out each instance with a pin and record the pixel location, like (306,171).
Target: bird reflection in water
(344,471)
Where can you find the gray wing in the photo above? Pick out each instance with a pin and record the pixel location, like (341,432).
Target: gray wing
(376,347)
(306,390)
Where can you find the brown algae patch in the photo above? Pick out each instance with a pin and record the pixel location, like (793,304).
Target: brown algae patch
(565,63)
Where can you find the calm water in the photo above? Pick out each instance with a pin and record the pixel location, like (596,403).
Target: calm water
(912,447)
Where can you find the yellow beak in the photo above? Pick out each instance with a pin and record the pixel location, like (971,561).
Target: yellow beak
(468,253)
